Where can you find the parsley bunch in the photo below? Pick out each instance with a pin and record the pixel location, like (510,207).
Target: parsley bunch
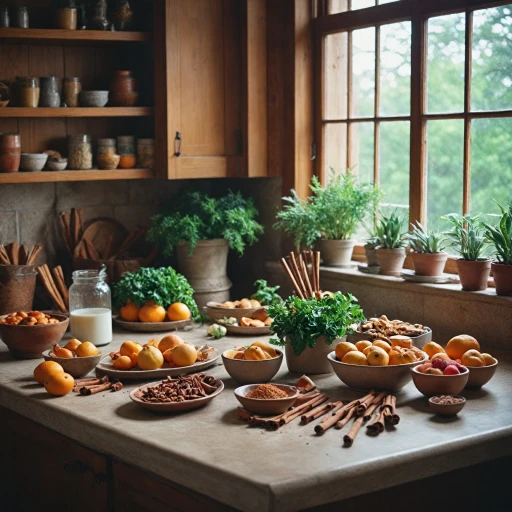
(266,294)
(163,286)
(304,320)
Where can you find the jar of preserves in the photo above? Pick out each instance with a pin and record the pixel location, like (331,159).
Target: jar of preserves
(122,17)
(4,17)
(107,156)
(126,150)
(146,153)
(21,17)
(66,15)
(71,88)
(90,306)
(50,96)
(10,152)
(79,152)
(123,89)
(28,91)
(99,19)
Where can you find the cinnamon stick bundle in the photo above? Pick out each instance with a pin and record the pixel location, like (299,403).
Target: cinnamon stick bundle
(16,254)
(51,288)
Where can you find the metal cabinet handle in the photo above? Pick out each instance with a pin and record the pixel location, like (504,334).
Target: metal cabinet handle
(177,144)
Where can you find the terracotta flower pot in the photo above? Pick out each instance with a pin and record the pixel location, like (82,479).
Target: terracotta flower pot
(336,253)
(474,274)
(502,278)
(205,270)
(371,255)
(429,264)
(311,360)
(391,261)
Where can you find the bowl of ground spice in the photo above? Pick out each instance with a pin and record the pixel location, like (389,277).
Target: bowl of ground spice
(266,399)
(447,405)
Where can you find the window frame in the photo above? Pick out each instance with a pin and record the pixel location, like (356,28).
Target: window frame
(418,13)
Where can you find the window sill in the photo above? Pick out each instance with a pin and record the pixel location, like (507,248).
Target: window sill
(445,308)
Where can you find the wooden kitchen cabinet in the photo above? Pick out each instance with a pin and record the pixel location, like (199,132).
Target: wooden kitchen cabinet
(211,84)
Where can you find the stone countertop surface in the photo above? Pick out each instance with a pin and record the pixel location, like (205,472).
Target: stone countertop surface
(211,452)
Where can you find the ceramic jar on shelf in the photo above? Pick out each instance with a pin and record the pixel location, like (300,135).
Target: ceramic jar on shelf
(49,94)
(10,152)
(123,89)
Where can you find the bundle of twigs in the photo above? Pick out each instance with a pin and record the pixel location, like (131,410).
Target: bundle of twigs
(72,226)
(297,272)
(55,286)
(16,254)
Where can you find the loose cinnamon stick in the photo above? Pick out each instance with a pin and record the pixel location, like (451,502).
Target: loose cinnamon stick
(348,439)
(377,425)
(330,421)
(311,415)
(289,273)
(317,270)
(13,251)
(375,403)
(86,391)
(116,386)
(365,402)
(4,257)
(92,380)
(343,421)
(285,418)
(58,276)
(242,414)
(297,274)
(305,397)
(23,255)
(34,253)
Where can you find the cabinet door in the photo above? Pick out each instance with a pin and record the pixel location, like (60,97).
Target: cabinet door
(49,471)
(200,88)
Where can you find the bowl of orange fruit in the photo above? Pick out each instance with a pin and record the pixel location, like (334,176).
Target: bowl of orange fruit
(465,350)
(29,334)
(151,317)
(378,365)
(75,357)
(168,356)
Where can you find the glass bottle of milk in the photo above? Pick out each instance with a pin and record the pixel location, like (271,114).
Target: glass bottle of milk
(90,307)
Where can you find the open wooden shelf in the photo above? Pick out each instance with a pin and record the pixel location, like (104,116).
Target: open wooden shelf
(76,112)
(92,175)
(30,35)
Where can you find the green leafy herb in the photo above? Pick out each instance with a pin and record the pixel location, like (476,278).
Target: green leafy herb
(304,320)
(194,216)
(500,236)
(425,241)
(266,294)
(466,235)
(163,286)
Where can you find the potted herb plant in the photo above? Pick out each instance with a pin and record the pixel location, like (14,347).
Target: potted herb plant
(428,256)
(202,229)
(309,329)
(370,250)
(467,238)
(392,241)
(500,236)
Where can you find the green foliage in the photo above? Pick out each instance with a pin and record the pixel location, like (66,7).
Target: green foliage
(425,241)
(266,294)
(163,286)
(500,236)
(390,231)
(304,320)
(296,219)
(466,235)
(195,216)
(340,206)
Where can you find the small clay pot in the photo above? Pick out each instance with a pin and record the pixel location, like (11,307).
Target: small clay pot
(391,261)
(336,253)
(371,255)
(10,152)
(429,264)
(123,89)
(502,278)
(311,360)
(474,274)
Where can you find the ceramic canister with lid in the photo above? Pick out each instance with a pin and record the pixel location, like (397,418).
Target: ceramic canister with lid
(123,89)
(10,152)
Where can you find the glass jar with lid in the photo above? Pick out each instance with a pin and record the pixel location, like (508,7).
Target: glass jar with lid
(146,153)
(99,19)
(79,152)
(49,96)
(4,17)
(71,88)
(90,306)
(28,91)
(21,17)
(66,15)
(126,149)
(122,17)
(107,157)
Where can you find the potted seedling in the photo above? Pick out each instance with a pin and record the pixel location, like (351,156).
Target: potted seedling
(500,236)
(202,229)
(370,250)
(467,238)
(428,256)
(392,242)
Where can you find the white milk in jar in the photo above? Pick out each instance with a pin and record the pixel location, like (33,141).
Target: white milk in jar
(92,324)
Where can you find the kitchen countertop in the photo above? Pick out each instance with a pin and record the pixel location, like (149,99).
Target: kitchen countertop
(211,452)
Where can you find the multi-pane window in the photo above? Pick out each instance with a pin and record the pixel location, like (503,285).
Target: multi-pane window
(417,96)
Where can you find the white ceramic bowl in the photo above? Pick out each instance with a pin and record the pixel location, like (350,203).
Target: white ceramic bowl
(33,162)
(57,165)
(363,378)
(93,98)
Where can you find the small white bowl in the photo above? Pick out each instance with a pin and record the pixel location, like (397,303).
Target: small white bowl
(57,165)
(33,162)
(93,98)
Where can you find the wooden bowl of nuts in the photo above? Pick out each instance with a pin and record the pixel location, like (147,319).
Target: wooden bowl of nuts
(29,334)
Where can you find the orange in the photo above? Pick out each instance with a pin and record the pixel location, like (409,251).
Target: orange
(168,355)
(378,357)
(130,347)
(343,347)
(87,349)
(489,360)
(130,312)
(42,370)
(361,345)
(150,312)
(184,355)
(59,383)
(367,350)
(62,352)
(473,358)
(229,353)
(72,344)
(150,358)
(355,358)
(432,348)
(460,344)
(123,363)
(178,311)
(441,355)
(153,342)
(384,345)
(271,351)
(399,355)
(169,342)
